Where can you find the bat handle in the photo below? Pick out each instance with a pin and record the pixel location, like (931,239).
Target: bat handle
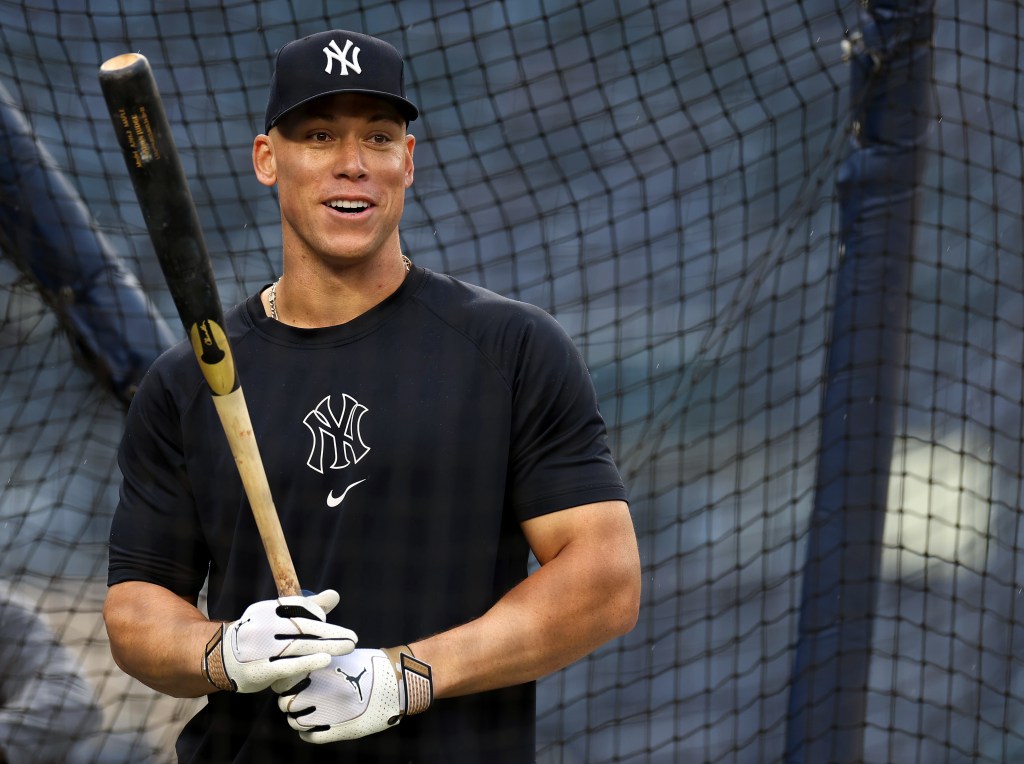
(234,416)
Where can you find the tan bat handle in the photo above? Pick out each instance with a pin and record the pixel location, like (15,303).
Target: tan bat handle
(234,417)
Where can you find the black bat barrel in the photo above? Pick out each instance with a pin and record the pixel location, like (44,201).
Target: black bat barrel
(161,187)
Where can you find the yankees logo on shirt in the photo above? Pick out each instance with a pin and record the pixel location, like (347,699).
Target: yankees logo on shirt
(337,440)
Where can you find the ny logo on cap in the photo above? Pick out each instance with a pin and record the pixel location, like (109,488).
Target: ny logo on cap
(333,53)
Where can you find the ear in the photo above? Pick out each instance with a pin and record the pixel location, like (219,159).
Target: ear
(410,167)
(263,161)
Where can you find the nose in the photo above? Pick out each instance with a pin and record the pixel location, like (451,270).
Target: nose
(348,159)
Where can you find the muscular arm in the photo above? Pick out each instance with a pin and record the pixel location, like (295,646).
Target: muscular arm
(586,592)
(158,637)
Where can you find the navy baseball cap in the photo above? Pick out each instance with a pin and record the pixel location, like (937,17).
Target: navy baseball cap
(336,62)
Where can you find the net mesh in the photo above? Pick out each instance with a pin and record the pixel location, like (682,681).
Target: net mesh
(661,177)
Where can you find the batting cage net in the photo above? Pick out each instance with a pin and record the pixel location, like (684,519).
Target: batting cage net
(787,237)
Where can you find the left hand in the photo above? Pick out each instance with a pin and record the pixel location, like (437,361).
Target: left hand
(358,694)
(276,640)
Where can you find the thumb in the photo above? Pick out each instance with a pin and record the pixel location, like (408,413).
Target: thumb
(327,600)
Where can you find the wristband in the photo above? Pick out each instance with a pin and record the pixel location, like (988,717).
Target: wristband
(415,676)
(213,663)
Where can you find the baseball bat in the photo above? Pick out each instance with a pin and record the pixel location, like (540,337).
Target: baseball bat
(160,185)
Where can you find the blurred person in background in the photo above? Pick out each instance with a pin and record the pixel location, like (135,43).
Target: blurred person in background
(49,713)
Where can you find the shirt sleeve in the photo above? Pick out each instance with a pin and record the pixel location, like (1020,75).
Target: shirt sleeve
(560,454)
(155,535)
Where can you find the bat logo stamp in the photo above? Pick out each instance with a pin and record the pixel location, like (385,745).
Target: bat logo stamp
(211,348)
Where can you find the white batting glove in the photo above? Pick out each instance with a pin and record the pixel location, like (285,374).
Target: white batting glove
(276,640)
(357,695)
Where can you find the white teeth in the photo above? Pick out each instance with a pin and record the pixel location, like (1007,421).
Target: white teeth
(344,204)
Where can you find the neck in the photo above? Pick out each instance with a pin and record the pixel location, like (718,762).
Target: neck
(314,298)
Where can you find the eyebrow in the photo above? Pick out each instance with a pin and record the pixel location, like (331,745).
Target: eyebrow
(388,117)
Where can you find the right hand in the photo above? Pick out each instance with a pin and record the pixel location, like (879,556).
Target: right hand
(275,639)
(361,693)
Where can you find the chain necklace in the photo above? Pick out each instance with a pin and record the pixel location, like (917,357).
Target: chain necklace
(272,297)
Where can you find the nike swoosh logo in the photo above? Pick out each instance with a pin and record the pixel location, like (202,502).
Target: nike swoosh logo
(333,501)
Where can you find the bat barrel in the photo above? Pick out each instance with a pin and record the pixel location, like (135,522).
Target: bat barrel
(161,187)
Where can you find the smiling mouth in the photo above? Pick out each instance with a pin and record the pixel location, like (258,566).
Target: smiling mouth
(343,205)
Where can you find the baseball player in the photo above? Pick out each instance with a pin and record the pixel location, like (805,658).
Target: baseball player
(421,437)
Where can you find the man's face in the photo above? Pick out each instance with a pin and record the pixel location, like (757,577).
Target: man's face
(342,164)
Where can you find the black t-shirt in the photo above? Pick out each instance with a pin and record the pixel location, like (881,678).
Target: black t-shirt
(403,449)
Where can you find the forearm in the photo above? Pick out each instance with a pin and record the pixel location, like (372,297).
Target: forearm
(574,603)
(513,643)
(158,638)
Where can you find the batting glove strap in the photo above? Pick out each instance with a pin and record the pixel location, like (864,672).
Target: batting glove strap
(213,663)
(414,679)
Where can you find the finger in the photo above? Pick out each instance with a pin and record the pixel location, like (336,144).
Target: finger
(327,600)
(299,607)
(288,687)
(338,647)
(295,708)
(298,726)
(319,737)
(322,631)
(293,667)
(337,641)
